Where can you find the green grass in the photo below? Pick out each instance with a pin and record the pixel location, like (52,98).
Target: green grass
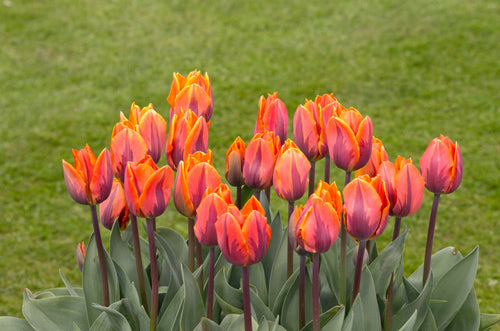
(418,69)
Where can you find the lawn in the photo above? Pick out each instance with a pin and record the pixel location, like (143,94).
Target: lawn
(418,69)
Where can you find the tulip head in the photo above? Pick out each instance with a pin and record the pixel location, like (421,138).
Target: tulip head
(366,207)
(193,178)
(80,255)
(313,228)
(260,158)
(329,106)
(188,134)
(349,139)
(89,182)
(441,165)
(405,186)
(309,130)
(272,116)
(235,159)
(243,236)
(291,172)
(212,206)
(147,187)
(127,145)
(378,156)
(114,208)
(191,92)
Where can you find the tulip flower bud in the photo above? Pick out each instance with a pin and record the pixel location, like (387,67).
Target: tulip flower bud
(309,131)
(80,255)
(377,156)
(235,159)
(272,116)
(260,158)
(127,145)
(441,165)
(114,208)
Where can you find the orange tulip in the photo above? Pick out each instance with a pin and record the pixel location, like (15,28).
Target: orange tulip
(350,139)
(260,158)
(235,159)
(309,131)
(191,92)
(114,208)
(405,186)
(193,178)
(329,106)
(211,207)
(366,207)
(272,116)
(441,165)
(80,255)
(188,134)
(314,227)
(147,187)
(378,156)
(127,145)
(89,181)
(243,236)
(290,176)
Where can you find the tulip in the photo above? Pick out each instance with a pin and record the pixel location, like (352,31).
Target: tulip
(147,187)
(309,131)
(114,208)
(272,116)
(441,165)
(188,134)
(191,92)
(377,156)
(235,159)
(80,255)
(89,182)
(349,139)
(127,145)
(260,158)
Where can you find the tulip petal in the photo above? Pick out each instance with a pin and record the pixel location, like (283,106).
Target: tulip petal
(364,138)
(231,241)
(132,191)
(342,144)
(199,178)
(112,207)
(75,183)
(211,207)
(153,128)
(196,98)
(305,133)
(320,226)
(126,146)
(156,193)
(102,177)
(257,234)
(182,199)
(410,190)
(457,170)
(436,165)
(197,138)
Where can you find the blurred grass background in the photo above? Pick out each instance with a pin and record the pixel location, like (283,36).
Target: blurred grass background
(418,69)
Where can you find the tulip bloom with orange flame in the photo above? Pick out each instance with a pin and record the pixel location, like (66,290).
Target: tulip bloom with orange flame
(405,186)
(349,139)
(147,187)
(272,116)
(290,176)
(260,158)
(114,208)
(188,134)
(243,236)
(127,145)
(309,130)
(89,182)
(441,165)
(191,92)
(235,159)
(80,255)
(378,156)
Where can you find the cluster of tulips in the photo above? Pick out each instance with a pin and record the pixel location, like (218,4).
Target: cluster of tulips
(229,236)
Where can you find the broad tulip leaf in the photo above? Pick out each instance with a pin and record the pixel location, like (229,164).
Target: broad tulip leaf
(325,318)
(170,266)
(176,242)
(8,323)
(369,302)
(233,322)
(278,303)
(454,287)
(467,317)
(193,307)
(429,323)
(92,284)
(71,291)
(355,318)
(410,323)
(54,313)
(207,325)
(488,320)
(274,244)
(257,278)
(169,320)
(110,320)
(263,325)
(290,309)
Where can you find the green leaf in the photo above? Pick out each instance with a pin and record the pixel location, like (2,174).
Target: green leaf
(386,263)
(355,318)
(229,298)
(54,313)
(71,291)
(467,317)
(278,303)
(110,319)
(8,323)
(193,308)
(429,323)
(207,325)
(325,318)
(368,296)
(234,322)
(488,320)
(176,242)
(274,244)
(454,287)
(92,284)
(258,279)
(263,325)
(290,309)
(410,323)
(170,318)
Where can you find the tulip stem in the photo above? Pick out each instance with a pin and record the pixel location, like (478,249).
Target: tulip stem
(256,193)
(327,169)
(388,306)
(100,254)
(343,251)
(397,228)
(289,260)
(210,290)
(138,260)
(315,292)
(312,173)
(154,274)
(247,311)
(359,267)
(191,243)
(302,292)
(430,238)
(238,197)
(199,263)
(268,195)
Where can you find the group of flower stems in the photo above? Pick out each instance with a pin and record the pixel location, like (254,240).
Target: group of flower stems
(127,183)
